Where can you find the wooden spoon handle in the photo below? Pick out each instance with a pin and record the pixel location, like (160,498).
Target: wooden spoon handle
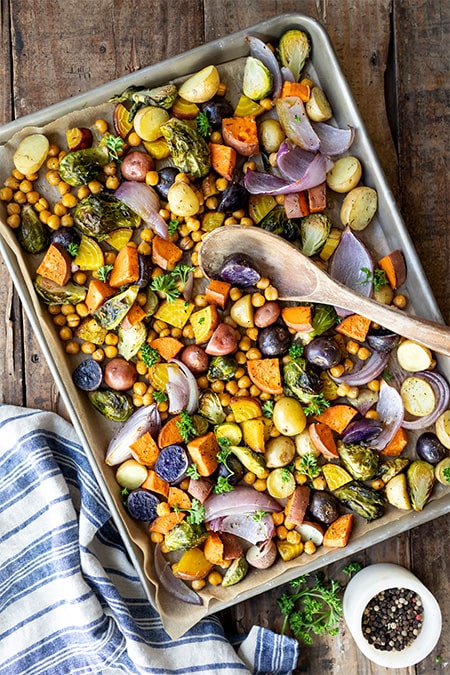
(434,335)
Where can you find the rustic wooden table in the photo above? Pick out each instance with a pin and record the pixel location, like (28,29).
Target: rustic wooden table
(394,54)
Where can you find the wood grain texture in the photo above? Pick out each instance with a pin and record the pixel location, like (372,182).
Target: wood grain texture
(55,49)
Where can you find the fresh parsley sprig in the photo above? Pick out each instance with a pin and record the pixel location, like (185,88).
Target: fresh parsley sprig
(186,427)
(378,277)
(167,284)
(149,355)
(103,272)
(115,145)
(203,125)
(308,465)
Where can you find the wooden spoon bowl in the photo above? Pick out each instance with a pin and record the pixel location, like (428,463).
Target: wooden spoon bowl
(298,278)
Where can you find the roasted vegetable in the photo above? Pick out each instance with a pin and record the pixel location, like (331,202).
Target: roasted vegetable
(234,197)
(257,79)
(211,408)
(216,110)
(274,340)
(222,368)
(131,340)
(239,269)
(190,152)
(323,352)
(172,463)
(81,166)
(302,382)
(98,215)
(360,462)
(314,229)
(361,499)
(88,375)
(141,505)
(166,177)
(391,468)
(324,507)
(277,222)
(111,313)
(236,572)
(429,448)
(293,49)
(164,97)
(113,405)
(31,234)
(420,478)
(185,535)
(119,374)
(53,294)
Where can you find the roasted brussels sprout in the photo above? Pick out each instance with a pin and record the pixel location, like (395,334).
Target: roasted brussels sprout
(131,340)
(53,294)
(257,79)
(277,222)
(189,150)
(81,166)
(293,49)
(98,215)
(361,499)
(113,310)
(163,97)
(302,382)
(314,229)
(391,468)
(360,462)
(222,368)
(31,234)
(114,405)
(236,572)
(185,535)
(211,408)
(420,479)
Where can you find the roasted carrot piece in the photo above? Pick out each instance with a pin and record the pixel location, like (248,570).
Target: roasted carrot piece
(217,293)
(126,267)
(97,293)
(146,449)
(168,347)
(154,483)
(338,533)
(203,451)
(223,159)
(303,91)
(56,265)
(337,417)
(165,253)
(354,326)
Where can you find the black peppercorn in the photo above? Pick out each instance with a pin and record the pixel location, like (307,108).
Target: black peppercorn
(392,619)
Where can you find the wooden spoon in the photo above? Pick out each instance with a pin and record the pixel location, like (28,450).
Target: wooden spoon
(297,278)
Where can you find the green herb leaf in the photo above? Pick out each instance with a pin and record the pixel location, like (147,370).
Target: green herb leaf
(267,409)
(317,405)
(378,278)
(352,568)
(308,465)
(149,355)
(115,145)
(182,271)
(72,249)
(295,350)
(192,472)
(446,474)
(259,515)
(186,427)
(166,283)
(103,272)
(203,125)
(160,396)
(222,485)
(172,226)
(196,514)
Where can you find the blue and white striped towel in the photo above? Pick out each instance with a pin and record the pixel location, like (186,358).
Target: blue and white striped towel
(70,600)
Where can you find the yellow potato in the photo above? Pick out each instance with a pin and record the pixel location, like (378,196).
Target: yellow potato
(148,120)
(413,356)
(182,200)
(345,174)
(31,153)
(318,107)
(418,396)
(443,428)
(201,86)
(359,207)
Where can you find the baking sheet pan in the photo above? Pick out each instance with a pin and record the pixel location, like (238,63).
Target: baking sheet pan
(387,233)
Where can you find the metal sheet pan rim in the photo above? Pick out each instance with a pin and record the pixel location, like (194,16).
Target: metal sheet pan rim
(189,61)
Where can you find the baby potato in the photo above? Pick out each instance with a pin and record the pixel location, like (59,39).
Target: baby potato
(271,135)
(345,174)
(182,200)
(280,451)
(148,120)
(201,86)
(318,107)
(359,208)
(288,416)
(31,154)
(135,165)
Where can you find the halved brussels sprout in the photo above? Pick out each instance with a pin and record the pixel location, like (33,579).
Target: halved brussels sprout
(293,49)
(257,80)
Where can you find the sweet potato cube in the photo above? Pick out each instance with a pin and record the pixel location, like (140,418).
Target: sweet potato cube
(337,417)
(146,449)
(165,253)
(97,293)
(338,533)
(168,347)
(223,159)
(317,198)
(296,205)
(297,504)
(126,267)
(354,326)
(163,524)
(303,91)
(298,317)
(170,433)
(394,267)
(203,451)
(213,549)
(179,498)
(155,483)
(56,265)
(134,316)
(217,293)
(396,446)
(265,374)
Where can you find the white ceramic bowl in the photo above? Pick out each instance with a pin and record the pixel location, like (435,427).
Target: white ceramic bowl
(369,582)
